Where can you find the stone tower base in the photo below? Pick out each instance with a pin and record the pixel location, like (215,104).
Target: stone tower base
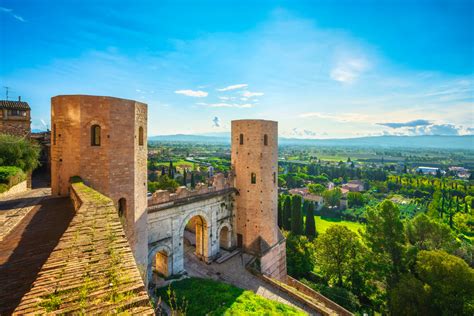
(273,262)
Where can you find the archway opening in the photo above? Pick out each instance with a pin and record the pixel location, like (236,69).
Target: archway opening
(225,241)
(195,238)
(162,263)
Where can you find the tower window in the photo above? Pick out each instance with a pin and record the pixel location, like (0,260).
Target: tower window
(241,139)
(95,135)
(274,177)
(253,178)
(54,134)
(265,140)
(140,136)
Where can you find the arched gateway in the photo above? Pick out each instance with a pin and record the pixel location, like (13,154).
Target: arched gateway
(202,224)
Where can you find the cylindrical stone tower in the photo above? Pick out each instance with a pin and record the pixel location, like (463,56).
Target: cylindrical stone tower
(255,168)
(103,140)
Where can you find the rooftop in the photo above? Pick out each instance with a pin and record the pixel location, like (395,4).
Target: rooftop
(14,105)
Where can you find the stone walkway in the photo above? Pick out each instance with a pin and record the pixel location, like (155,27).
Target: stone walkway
(15,208)
(29,244)
(233,271)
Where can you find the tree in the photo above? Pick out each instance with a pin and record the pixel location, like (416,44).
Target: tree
(310,229)
(299,255)
(296,215)
(427,234)
(332,197)
(464,222)
(193,181)
(355,199)
(170,170)
(19,152)
(317,189)
(409,297)
(450,279)
(287,213)
(384,235)
(336,251)
(280,211)
(184,177)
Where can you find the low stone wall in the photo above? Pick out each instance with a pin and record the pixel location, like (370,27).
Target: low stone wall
(273,263)
(312,293)
(17,188)
(219,183)
(92,269)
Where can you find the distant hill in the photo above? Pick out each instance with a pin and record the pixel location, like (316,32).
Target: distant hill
(442,142)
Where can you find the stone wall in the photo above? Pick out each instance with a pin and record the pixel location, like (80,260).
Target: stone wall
(166,225)
(116,168)
(17,188)
(273,263)
(92,269)
(19,126)
(219,182)
(256,202)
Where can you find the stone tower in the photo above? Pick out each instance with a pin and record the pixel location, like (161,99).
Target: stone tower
(103,140)
(255,168)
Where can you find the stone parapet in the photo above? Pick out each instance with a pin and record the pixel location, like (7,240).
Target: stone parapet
(219,183)
(92,269)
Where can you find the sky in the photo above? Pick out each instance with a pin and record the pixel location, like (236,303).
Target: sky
(322,69)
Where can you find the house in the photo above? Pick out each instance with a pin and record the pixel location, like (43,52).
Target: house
(429,170)
(15,118)
(306,195)
(354,186)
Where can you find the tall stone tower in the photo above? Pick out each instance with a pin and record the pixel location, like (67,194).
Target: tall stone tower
(103,140)
(255,168)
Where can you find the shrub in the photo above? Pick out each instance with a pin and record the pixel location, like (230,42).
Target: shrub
(19,152)
(10,176)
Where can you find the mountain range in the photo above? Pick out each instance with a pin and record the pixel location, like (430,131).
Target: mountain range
(428,141)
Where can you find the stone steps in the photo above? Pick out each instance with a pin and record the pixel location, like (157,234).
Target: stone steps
(227,256)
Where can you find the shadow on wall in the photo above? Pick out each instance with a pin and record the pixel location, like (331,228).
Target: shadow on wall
(23,255)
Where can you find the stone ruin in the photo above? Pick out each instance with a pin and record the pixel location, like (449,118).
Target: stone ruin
(218,182)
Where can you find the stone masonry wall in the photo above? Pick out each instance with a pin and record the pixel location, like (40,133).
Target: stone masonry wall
(116,168)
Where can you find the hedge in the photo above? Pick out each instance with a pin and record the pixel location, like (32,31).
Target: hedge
(10,176)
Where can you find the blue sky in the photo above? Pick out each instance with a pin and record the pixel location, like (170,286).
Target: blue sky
(323,69)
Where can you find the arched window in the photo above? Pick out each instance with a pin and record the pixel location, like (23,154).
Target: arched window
(54,134)
(95,135)
(140,136)
(241,139)
(265,140)
(274,178)
(253,178)
(122,207)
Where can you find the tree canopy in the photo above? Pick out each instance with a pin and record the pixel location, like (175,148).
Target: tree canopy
(19,152)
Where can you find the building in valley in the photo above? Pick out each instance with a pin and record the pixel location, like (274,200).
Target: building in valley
(15,118)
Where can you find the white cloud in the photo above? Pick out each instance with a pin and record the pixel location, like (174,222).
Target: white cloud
(231,105)
(234,87)
(224,98)
(248,94)
(347,71)
(192,93)
(10,12)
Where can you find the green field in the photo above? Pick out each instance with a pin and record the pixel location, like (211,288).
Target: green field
(322,224)
(208,297)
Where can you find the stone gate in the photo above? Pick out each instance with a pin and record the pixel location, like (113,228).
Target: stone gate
(208,212)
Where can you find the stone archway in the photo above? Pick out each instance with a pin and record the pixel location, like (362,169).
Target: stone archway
(196,231)
(225,236)
(160,262)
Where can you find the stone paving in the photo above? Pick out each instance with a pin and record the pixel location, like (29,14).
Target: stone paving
(14,208)
(233,271)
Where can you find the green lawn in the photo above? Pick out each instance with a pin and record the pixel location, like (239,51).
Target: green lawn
(208,297)
(322,224)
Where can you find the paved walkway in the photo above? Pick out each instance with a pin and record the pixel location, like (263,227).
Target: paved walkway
(13,209)
(30,242)
(233,271)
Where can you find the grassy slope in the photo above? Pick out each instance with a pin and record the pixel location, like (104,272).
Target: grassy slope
(322,224)
(208,297)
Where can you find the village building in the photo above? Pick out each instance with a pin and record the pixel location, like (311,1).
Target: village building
(15,117)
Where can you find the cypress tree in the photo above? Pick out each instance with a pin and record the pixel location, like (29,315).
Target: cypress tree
(296,215)
(170,170)
(193,184)
(287,213)
(163,172)
(184,177)
(310,224)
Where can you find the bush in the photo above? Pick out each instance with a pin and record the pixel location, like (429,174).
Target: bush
(19,152)
(10,176)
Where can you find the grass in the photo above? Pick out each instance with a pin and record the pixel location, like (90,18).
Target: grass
(323,223)
(208,297)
